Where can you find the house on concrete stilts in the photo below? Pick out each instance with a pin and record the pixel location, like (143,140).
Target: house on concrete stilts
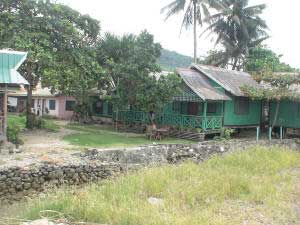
(211,99)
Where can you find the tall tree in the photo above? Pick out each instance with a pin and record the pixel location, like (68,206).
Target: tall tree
(239,28)
(58,40)
(194,13)
(131,62)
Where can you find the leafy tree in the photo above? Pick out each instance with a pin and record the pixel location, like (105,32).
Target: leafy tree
(239,28)
(131,62)
(58,40)
(263,59)
(194,13)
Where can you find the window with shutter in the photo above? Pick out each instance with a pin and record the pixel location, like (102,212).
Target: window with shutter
(241,106)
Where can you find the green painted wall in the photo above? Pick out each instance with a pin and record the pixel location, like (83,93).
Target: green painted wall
(288,114)
(251,118)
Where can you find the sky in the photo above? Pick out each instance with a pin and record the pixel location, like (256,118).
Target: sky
(133,16)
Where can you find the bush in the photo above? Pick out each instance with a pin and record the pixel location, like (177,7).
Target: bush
(227,132)
(39,123)
(13,134)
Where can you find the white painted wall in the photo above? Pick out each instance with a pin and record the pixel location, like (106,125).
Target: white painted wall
(39,101)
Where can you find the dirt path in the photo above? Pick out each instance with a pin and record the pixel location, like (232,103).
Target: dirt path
(41,141)
(41,145)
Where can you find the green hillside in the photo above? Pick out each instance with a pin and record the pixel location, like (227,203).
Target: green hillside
(169,60)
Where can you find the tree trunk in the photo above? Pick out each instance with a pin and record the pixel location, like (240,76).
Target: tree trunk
(276,114)
(29,115)
(195,31)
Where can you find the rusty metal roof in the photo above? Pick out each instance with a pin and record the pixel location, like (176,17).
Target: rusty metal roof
(230,80)
(200,84)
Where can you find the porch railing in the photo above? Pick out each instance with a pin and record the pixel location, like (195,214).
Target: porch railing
(178,120)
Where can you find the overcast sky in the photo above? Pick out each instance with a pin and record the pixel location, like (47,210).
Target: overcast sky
(132,16)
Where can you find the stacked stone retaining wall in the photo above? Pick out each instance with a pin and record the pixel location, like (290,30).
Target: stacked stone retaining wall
(94,165)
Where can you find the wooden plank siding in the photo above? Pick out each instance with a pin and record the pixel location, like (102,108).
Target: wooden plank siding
(288,114)
(232,119)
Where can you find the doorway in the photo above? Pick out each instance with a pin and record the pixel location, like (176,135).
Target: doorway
(193,108)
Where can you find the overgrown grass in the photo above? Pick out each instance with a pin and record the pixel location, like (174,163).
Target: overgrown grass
(20,120)
(257,186)
(15,119)
(106,136)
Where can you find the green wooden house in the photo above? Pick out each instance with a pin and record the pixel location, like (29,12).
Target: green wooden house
(10,80)
(288,116)
(211,98)
(239,111)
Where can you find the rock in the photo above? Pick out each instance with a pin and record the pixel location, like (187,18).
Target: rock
(155,201)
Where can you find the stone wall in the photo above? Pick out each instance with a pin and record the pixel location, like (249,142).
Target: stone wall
(16,182)
(93,165)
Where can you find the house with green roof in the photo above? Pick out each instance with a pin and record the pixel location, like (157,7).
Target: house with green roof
(10,79)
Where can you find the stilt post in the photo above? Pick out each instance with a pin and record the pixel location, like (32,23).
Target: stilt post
(257,133)
(270,133)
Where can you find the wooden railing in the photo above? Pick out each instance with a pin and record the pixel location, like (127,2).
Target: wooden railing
(178,120)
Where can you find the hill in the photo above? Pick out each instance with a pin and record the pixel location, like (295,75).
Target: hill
(169,60)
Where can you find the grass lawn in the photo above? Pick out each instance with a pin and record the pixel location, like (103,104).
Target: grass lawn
(104,136)
(257,186)
(19,120)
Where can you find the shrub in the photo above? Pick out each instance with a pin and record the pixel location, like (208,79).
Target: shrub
(39,123)
(13,134)
(227,132)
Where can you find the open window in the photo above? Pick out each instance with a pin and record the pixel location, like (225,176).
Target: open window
(211,107)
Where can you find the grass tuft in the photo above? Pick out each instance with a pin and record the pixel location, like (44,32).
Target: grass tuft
(253,187)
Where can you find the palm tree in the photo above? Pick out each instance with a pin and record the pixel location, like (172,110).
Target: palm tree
(195,12)
(238,28)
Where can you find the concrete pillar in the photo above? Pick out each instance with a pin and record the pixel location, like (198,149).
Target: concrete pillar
(257,133)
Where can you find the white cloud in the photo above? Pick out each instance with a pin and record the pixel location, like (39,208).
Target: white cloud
(132,16)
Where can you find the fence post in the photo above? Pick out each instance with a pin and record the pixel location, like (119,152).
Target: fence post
(204,116)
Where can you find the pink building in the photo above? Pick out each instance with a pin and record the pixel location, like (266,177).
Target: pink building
(44,103)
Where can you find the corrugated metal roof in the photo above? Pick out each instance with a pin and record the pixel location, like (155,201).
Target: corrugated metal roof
(10,61)
(11,76)
(199,83)
(230,80)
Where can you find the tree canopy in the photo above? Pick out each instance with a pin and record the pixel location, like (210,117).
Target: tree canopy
(131,63)
(262,58)
(238,28)
(195,11)
(59,41)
